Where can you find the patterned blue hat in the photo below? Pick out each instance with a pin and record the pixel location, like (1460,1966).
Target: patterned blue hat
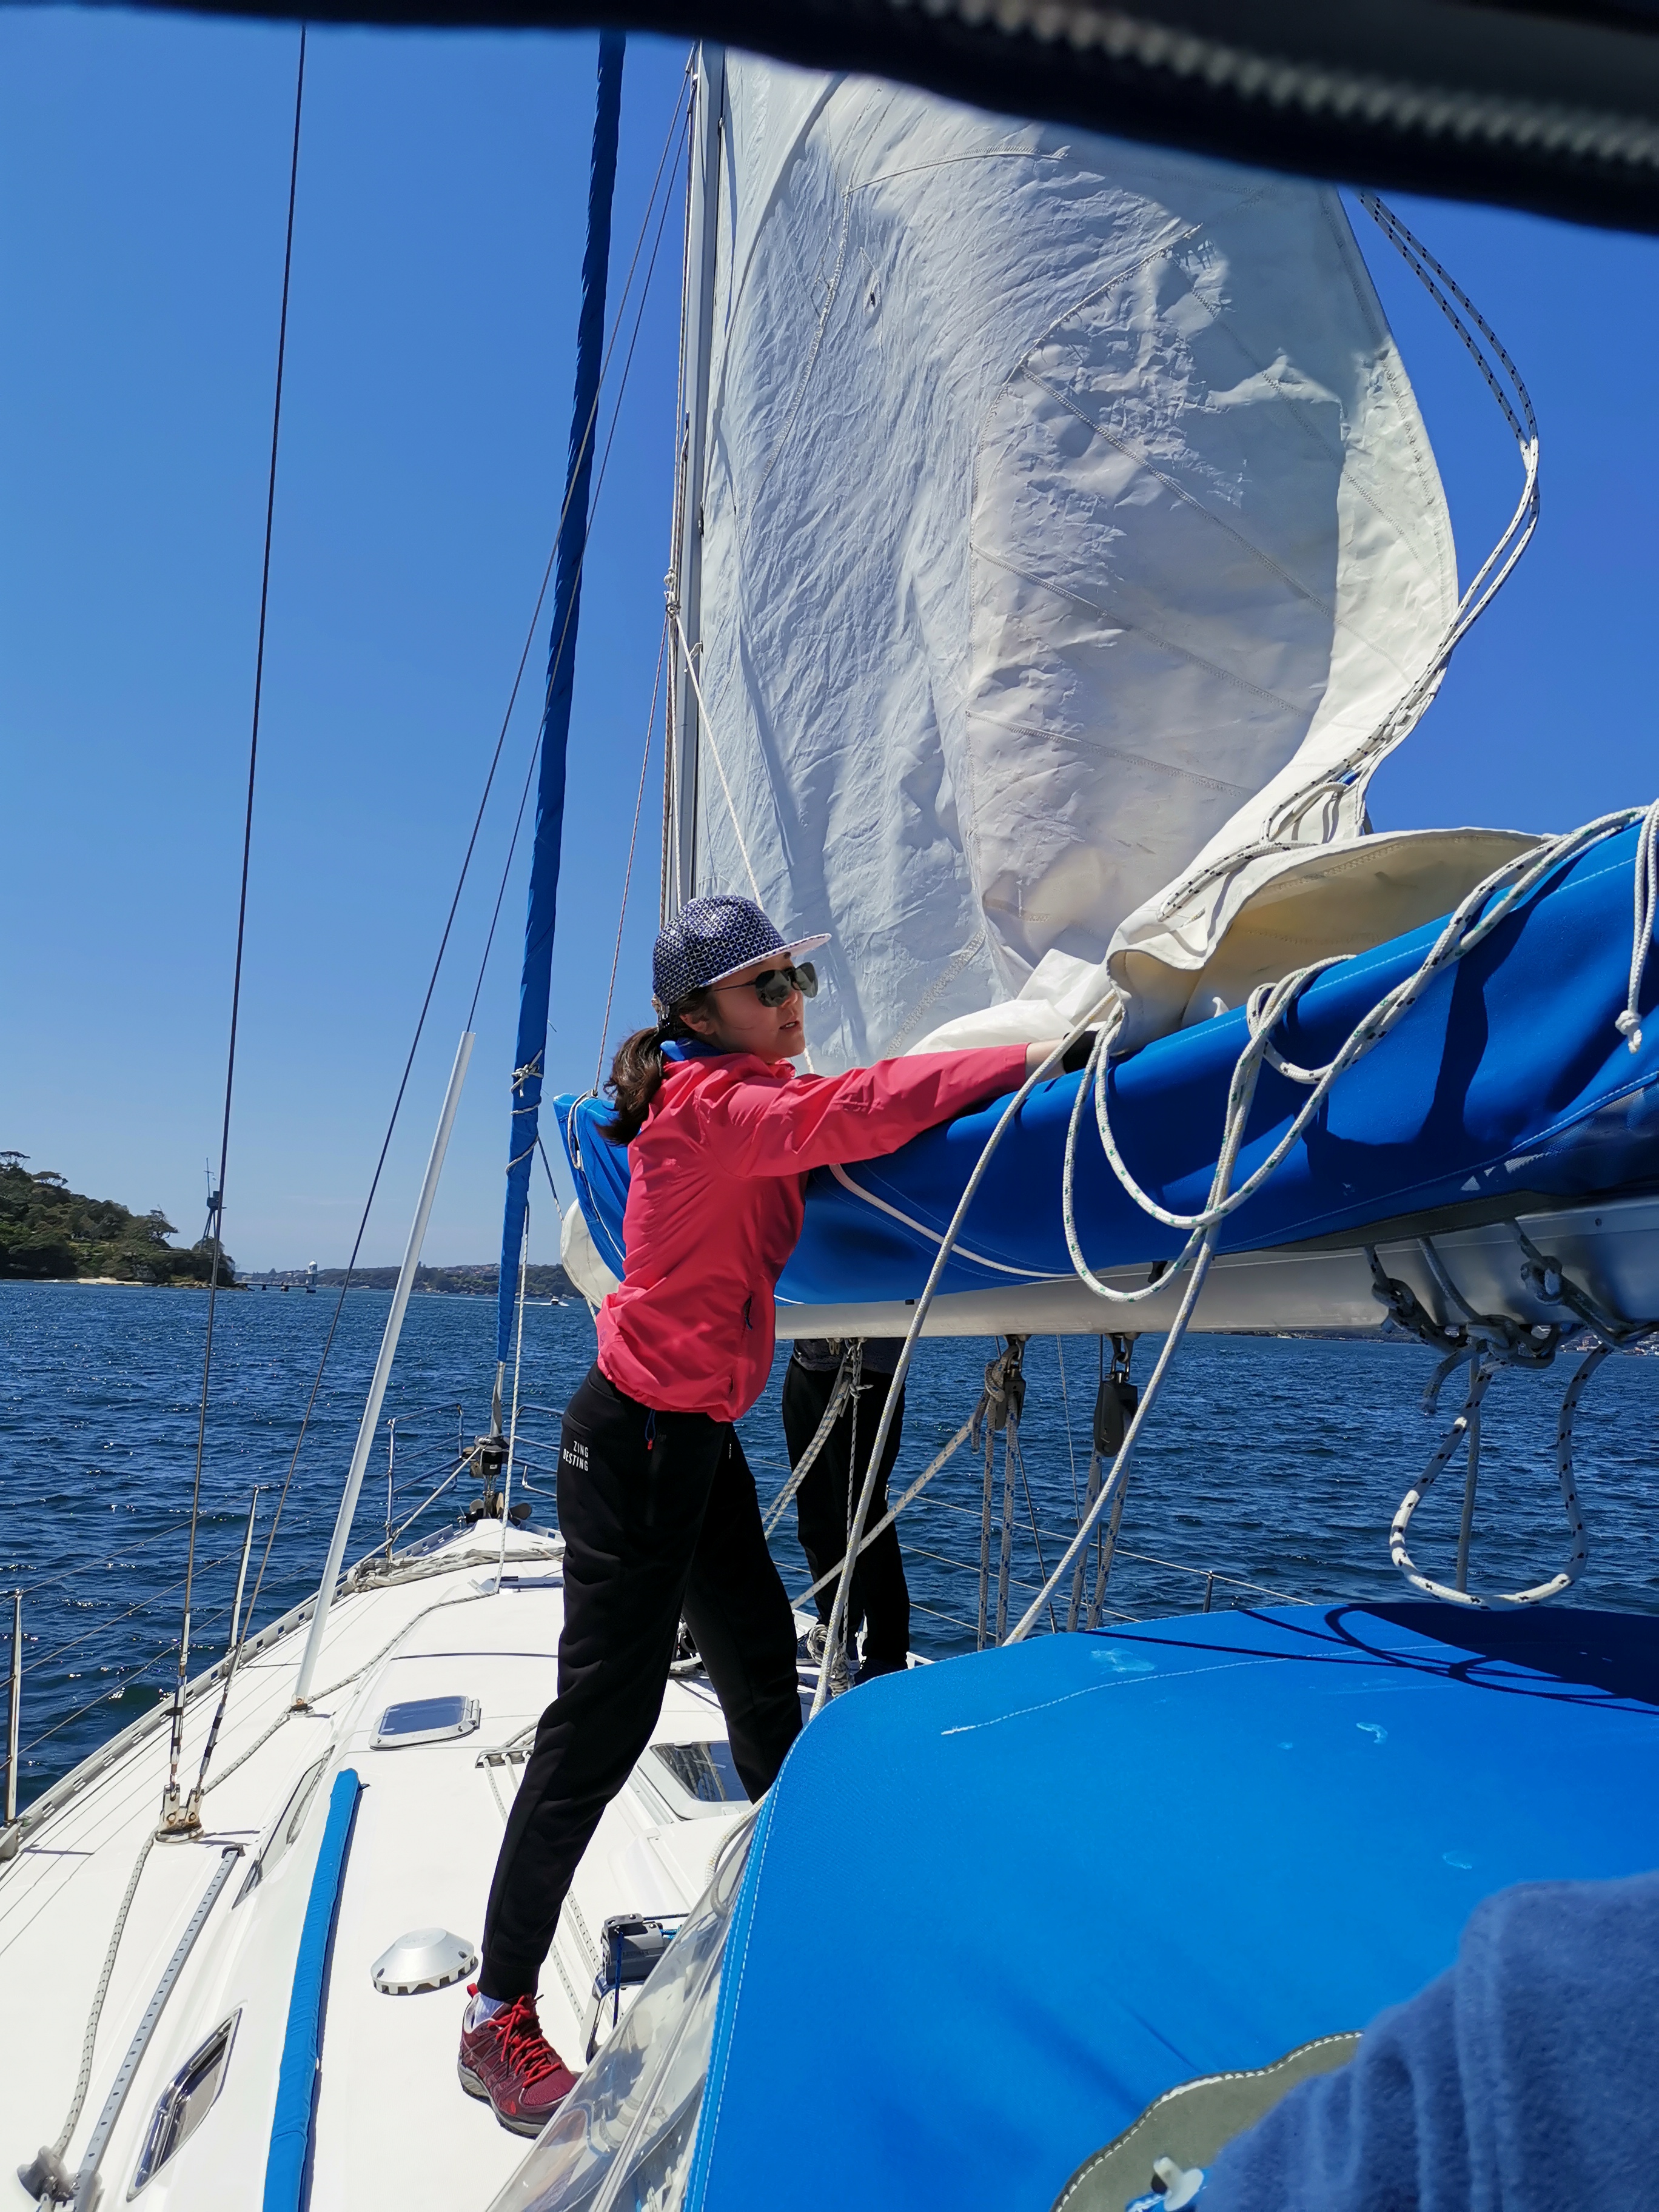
(711,939)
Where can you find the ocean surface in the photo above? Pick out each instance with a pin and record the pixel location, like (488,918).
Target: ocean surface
(1273,1465)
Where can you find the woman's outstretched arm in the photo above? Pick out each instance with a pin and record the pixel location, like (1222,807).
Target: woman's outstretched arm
(758,1125)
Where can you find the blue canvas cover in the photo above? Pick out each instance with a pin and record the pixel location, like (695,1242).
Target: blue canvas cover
(995,1906)
(1507,1076)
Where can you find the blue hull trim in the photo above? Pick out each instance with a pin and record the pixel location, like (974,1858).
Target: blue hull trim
(288,2164)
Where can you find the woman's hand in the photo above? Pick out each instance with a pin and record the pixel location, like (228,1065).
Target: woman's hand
(1075,1058)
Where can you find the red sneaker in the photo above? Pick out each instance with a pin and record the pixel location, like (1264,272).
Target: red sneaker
(507,2060)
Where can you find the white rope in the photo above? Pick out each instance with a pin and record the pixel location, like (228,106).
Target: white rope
(628,874)
(1469,925)
(1111,1487)
(923,1305)
(1645,890)
(847,1380)
(719,770)
(892,1512)
(1480,1382)
(1506,887)
(88,2041)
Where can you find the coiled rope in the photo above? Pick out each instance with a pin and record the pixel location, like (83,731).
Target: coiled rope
(1475,918)
(1482,1371)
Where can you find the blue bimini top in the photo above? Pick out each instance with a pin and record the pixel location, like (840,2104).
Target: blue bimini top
(996,1907)
(1509,1077)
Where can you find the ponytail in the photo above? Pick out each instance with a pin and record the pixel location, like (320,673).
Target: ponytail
(637,1071)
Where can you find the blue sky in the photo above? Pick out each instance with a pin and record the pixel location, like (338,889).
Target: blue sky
(142,185)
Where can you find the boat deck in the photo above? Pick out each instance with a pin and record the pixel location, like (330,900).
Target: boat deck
(427,1825)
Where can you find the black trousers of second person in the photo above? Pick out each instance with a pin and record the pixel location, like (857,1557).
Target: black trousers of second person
(660,1521)
(880,1597)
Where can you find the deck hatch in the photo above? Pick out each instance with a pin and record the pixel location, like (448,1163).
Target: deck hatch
(696,1778)
(425,1720)
(185,2102)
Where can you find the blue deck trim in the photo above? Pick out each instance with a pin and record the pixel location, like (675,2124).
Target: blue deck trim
(296,2080)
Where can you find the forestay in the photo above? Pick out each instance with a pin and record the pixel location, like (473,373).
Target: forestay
(1065,503)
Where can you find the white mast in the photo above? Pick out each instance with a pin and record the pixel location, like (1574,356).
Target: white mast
(685,579)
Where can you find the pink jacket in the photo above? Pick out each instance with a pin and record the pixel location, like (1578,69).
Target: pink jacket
(716,1190)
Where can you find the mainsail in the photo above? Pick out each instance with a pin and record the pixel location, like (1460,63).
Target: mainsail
(1052,509)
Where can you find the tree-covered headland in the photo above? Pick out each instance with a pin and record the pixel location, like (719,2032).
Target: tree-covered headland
(47,1229)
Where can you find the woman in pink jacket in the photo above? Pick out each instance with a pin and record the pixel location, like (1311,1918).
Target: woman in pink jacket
(656,1502)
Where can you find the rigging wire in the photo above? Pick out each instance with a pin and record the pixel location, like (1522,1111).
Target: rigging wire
(720,769)
(460,884)
(170,1801)
(633,842)
(557,654)
(513,1427)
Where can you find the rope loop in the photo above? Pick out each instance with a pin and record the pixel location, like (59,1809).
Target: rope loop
(1578,1557)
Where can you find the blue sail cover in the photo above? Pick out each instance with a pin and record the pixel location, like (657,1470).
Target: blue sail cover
(1509,1075)
(995,1907)
(529,1053)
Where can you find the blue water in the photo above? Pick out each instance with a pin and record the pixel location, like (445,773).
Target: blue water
(1277,1463)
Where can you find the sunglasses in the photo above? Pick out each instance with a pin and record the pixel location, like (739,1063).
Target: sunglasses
(773,985)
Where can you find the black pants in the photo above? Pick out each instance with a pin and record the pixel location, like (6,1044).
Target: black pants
(660,1519)
(880,1599)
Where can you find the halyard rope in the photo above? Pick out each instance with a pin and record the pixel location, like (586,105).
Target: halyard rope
(892,1514)
(1645,889)
(1479,1379)
(89,2042)
(1472,920)
(715,752)
(847,1380)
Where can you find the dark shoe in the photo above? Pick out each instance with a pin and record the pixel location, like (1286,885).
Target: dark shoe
(509,2062)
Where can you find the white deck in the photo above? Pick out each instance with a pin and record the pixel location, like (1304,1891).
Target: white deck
(393,2126)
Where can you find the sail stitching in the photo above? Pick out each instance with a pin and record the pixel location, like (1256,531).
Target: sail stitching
(1168,645)
(1019,729)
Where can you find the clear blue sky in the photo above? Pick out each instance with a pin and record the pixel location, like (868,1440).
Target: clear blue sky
(143,183)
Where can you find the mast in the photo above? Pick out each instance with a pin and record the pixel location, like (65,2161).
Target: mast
(530,1054)
(685,577)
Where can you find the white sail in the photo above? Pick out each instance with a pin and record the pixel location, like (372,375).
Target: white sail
(1064,502)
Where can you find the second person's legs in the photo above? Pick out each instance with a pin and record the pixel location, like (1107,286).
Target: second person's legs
(880,1597)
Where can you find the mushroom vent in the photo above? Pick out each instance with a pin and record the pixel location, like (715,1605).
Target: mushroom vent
(425,1959)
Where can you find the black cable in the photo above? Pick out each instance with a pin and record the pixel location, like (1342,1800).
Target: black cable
(605,462)
(449,924)
(242,919)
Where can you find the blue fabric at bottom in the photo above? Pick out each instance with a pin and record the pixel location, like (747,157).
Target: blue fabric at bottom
(1021,1894)
(1522,2081)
